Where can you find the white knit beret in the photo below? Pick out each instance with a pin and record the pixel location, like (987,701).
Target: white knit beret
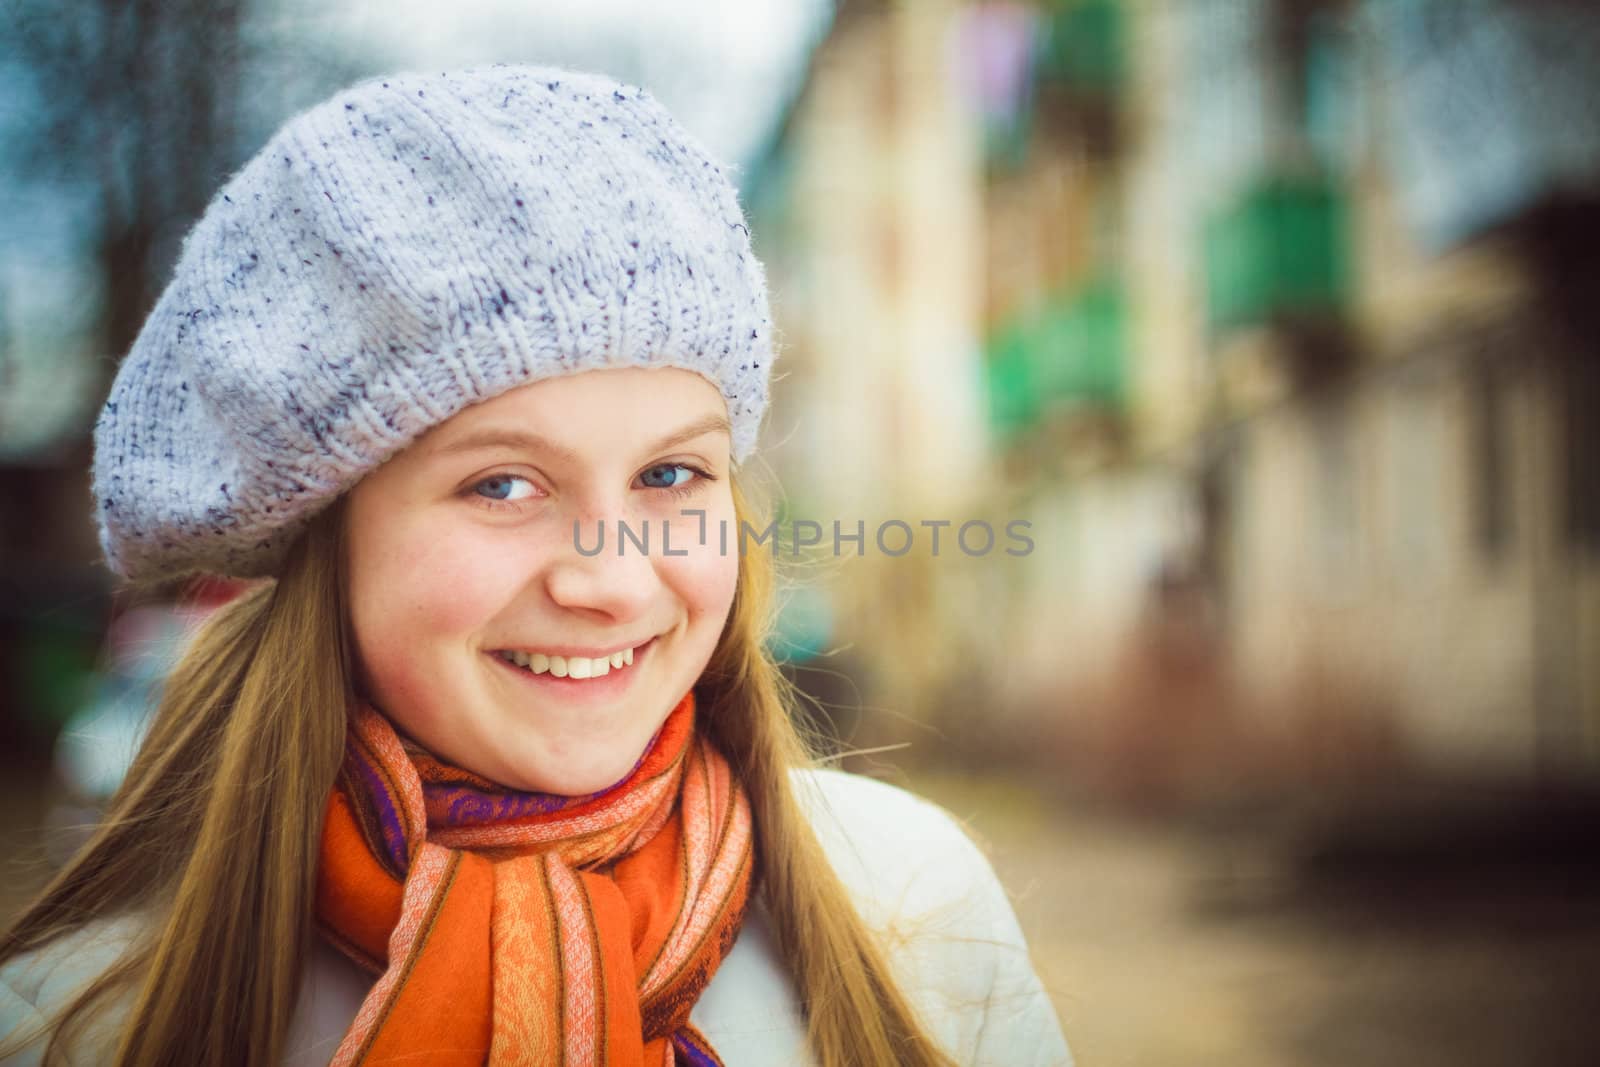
(414,245)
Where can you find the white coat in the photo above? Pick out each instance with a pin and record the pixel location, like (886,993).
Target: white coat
(952,938)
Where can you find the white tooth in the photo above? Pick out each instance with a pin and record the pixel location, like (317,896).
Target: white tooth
(539,663)
(602,667)
(618,659)
(627,657)
(558,666)
(579,667)
(522,658)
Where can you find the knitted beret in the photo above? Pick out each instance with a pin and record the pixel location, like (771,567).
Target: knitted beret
(414,245)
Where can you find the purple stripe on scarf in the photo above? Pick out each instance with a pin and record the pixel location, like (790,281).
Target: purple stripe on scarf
(394,834)
(474,807)
(469,805)
(688,1051)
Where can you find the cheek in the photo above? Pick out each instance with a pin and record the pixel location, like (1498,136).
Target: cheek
(421,585)
(705,579)
(707,585)
(415,594)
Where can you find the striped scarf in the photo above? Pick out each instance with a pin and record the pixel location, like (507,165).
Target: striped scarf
(522,928)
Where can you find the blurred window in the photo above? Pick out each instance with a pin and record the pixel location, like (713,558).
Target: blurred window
(1329,111)
(1583,453)
(1489,410)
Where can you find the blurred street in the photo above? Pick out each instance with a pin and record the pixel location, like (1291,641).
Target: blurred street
(1164,945)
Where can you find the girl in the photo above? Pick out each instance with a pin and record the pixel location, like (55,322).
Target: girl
(451,786)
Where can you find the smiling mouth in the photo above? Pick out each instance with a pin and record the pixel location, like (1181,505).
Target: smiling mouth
(576,667)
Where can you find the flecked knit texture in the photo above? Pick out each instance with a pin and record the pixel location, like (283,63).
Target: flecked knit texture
(414,245)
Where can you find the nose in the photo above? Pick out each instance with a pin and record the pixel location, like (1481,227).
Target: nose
(589,575)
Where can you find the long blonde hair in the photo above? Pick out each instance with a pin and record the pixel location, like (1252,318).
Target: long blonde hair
(215,833)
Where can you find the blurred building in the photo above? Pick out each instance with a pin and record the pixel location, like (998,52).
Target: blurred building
(1397,472)
(1282,313)
(870,218)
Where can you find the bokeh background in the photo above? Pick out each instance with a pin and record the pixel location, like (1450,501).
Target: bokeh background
(1274,319)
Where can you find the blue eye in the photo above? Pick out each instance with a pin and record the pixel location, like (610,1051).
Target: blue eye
(669,469)
(502,487)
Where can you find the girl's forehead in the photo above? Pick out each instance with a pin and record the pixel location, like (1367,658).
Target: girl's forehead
(570,413)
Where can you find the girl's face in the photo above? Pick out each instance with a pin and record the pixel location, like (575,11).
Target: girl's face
(462,558)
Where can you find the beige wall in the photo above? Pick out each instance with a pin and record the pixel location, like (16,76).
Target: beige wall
(1365,567)
(884,381)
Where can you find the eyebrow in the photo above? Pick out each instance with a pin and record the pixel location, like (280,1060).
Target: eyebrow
(527,440)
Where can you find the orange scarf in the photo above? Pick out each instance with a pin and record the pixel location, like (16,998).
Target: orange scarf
(521,928)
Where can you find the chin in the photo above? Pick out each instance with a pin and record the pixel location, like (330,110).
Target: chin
(575,777)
